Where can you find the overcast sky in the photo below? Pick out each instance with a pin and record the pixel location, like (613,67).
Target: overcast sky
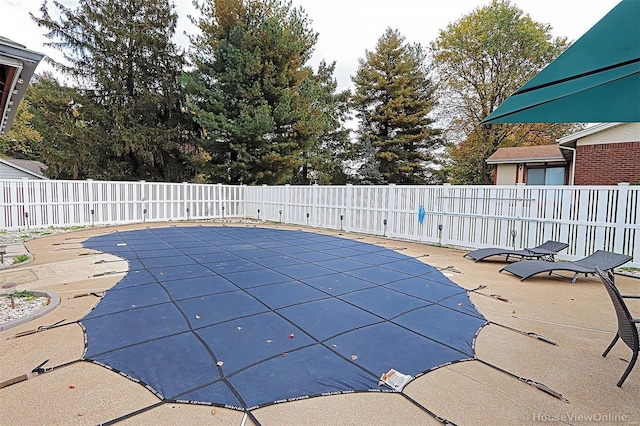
(347,28)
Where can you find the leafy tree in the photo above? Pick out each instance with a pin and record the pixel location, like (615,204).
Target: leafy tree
(22,139)
(121,57)
(480,60)
(251,93)
(393,99)
(68,146)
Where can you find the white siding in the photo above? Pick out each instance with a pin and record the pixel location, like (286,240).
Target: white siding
(7,172)
(628,132)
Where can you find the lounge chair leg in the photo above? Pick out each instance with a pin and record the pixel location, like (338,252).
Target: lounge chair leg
(575,277)
(628,370)
(613,342)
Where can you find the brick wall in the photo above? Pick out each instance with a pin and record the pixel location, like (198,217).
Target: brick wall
(607,164)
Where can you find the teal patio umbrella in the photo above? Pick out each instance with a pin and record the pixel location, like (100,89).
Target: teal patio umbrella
(597,79)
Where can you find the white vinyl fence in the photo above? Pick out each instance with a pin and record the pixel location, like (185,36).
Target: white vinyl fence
(587,218)
(43,203)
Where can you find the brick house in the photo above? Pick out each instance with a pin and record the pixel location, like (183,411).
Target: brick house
(604,154)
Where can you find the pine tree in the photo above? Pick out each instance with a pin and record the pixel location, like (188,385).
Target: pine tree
(120,54)
(393,98)
(324,161)
(251,92)
(369,171)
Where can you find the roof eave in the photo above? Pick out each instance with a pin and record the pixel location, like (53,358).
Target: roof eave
(527,160)
(22,169)
(25,62)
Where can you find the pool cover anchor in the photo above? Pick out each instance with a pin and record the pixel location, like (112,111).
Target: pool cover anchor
(38,370)
(41,328)
(494,296)
(93,293)
(450,268)
(527,333)
(541,386)
(102,274)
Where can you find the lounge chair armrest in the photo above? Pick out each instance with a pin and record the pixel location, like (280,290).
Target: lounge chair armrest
(630,296)
(636,320)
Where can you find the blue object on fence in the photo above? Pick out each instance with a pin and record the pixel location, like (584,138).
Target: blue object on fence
(248,317)
(421,214)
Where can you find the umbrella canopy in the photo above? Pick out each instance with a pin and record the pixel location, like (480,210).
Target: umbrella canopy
(596,80)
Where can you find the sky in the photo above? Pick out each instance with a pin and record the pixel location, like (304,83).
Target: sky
(347,28)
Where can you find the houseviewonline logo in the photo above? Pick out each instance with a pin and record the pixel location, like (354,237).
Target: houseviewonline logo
(581,417)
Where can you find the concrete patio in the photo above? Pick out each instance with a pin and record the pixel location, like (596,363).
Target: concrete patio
(579,317)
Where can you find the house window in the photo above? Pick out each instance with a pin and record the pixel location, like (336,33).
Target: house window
(546,176)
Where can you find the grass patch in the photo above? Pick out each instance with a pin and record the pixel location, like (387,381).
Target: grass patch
(20,258)
(25,295)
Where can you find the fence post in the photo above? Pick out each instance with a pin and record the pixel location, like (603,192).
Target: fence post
(287,202)
(347,206)
(621,212)
(443,228)
(185,199)
(12,203)
(391,201)
(49,201)
(517,227)
(143,200)
(92,207)
(218,197)
(314,206)
(264,191)
(242,197)
(25,204)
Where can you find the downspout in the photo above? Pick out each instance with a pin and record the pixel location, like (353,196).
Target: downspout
(573,163)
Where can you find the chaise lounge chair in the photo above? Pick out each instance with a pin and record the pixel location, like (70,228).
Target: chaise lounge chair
(546,251)
(627,325)
(605,260)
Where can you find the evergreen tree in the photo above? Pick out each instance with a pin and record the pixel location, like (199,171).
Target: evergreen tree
(393,99)
(369,171)
(251,92)
(324,161)
(120,55)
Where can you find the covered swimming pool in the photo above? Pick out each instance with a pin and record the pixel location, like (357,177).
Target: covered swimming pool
(245,317)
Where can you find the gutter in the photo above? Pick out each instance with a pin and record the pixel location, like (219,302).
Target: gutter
(573,162)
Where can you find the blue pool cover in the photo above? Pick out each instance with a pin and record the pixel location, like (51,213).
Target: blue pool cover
(244,317)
